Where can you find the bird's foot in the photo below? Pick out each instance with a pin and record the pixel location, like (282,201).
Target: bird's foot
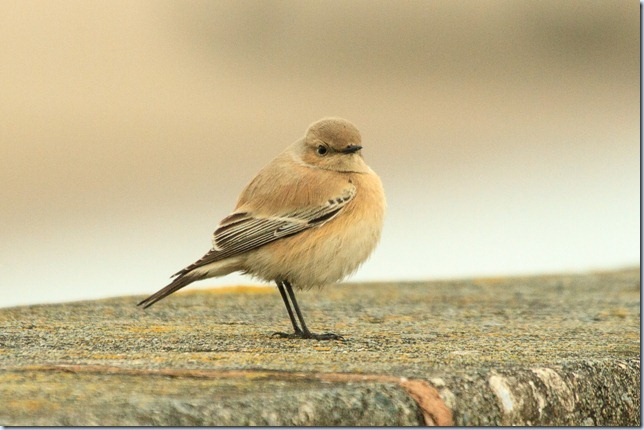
(307,335)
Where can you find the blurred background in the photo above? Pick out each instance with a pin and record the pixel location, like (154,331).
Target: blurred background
(507,133)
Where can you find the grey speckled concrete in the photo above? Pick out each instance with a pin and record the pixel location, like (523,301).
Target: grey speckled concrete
(561,349)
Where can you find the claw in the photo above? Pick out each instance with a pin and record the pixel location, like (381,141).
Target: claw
(327,336)
(308,335)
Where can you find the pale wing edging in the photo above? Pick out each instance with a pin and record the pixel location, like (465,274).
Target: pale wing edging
(241,232)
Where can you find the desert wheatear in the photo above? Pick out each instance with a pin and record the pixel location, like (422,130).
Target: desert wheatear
(309,218)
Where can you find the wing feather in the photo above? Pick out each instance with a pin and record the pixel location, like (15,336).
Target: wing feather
(241,232)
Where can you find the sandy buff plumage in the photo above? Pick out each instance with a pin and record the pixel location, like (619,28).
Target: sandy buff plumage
(309,218)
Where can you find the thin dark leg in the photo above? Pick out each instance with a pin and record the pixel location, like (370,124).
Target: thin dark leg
(280,287)
(291,294)
(304,333)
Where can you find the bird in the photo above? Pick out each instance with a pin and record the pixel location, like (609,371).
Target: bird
(309,218)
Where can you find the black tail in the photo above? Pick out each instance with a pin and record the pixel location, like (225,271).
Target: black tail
(180,282)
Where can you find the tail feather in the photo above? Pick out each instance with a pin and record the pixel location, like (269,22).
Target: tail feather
(180,282)
(207,266)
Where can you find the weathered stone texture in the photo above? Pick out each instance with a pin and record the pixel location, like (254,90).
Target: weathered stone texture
(548,350)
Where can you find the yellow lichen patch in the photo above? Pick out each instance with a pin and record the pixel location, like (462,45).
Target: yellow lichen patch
(619,312)
(614,312)
(152,329)
(489,281)
(632,335)
(322,348)
(6,378)
(26,405)
(108,356)
(402,318)
(202,357)
(236,289)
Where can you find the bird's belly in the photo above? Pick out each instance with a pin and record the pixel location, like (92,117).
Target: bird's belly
(317,256)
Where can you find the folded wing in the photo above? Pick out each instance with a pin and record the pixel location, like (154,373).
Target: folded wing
(241,232)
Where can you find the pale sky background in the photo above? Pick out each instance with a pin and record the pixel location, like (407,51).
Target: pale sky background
(506,132)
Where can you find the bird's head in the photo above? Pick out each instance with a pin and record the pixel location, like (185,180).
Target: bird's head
(333,144)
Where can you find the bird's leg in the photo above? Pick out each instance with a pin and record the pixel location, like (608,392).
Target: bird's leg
(291,294)
(304,333)
(297,329)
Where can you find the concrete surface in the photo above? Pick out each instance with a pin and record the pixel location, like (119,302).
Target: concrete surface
(547,350)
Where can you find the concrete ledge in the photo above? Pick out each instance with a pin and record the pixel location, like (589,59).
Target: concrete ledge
(604,393)
(551,350)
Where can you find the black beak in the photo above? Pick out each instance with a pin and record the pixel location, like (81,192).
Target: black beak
(351,149)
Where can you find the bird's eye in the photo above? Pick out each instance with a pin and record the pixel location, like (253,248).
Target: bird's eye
(322,150)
